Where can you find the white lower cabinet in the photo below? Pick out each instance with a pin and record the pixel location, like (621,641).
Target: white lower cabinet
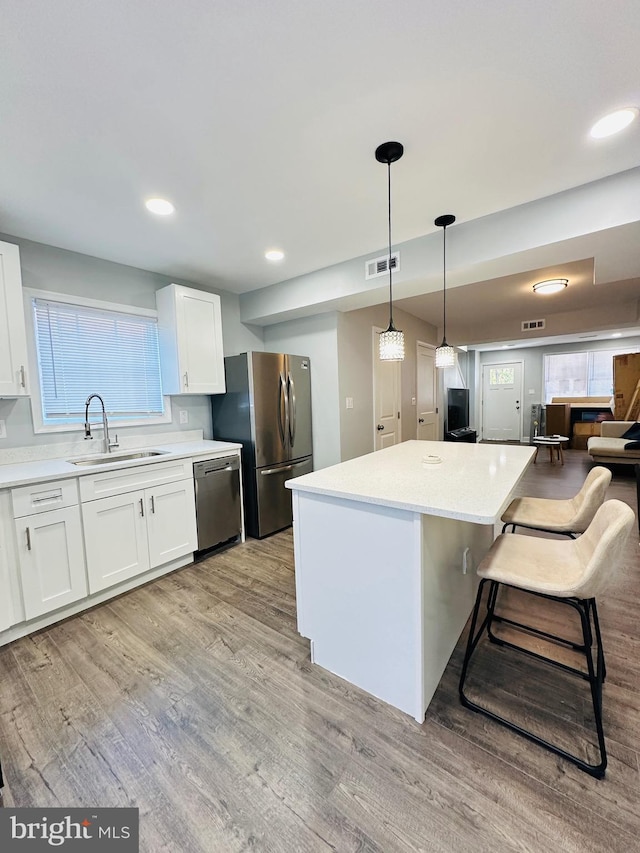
(115,531)
(127,534)
(171,522)
(51,559)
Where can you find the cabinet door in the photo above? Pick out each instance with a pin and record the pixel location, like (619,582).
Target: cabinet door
(51,560)
(171,522)
(200,342)
(6,604)
(115,531)
(190,332)
(13,339)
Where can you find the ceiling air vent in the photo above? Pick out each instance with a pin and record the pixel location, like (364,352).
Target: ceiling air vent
(379,266)
(529,325)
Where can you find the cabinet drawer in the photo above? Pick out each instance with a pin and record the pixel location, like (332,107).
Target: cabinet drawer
(42,497)
(124,480)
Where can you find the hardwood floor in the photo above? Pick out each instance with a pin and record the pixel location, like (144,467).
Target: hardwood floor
(193,698)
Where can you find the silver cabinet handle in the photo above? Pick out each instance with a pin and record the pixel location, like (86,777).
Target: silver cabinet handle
(186,379)
(142,507)
(153,504)
(23,376)
(28,532)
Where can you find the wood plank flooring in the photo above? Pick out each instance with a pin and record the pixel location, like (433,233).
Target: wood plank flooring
(193,699)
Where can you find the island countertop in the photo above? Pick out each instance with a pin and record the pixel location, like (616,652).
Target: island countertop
(468,482)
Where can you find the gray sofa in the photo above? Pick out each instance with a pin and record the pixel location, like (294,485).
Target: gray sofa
(609,447)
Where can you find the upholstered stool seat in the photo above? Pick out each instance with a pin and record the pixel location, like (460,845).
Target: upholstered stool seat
(560,516)
(572,572)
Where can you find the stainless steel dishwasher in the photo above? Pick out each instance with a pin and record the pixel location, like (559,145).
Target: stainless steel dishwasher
(218,510)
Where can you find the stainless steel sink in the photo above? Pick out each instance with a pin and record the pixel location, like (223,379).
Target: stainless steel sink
(116,457)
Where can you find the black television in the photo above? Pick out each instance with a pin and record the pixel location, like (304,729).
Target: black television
(457,408)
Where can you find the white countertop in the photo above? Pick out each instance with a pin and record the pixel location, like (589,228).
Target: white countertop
(22,473)
(472,482)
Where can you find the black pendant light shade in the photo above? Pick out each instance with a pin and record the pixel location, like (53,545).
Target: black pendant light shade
(445,355)
(391,341)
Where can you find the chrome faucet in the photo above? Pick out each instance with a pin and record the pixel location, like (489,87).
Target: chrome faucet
(108,444)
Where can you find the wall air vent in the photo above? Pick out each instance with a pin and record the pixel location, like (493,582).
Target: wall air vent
(379,266)
(530,325)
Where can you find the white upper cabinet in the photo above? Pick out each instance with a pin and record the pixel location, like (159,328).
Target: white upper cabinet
(190,332)
(13,338)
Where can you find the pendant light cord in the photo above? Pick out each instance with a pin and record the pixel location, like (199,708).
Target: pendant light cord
(444,285)
(389,257)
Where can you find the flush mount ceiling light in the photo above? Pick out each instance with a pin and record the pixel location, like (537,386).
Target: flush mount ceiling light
(392,341)
(274,255)
(552,285)
(159,206)
(445,355)
(613,123)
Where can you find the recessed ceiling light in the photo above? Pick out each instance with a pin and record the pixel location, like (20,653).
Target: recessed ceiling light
(616,335)
(274,255)
(552,285)
(159,206)
(613,123)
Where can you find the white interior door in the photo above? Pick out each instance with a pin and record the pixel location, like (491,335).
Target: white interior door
(426,391)
(502,401)
(387,423)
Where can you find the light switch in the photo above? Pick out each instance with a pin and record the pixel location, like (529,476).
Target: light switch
(349,402)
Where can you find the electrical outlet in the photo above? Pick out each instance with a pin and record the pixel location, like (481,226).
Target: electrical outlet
(184,416)
(3,429)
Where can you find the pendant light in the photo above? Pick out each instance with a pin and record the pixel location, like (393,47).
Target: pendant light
(445,355)
(391,341)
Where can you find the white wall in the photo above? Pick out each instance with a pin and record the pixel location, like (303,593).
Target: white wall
(355,358)
(316,337)
(60,271)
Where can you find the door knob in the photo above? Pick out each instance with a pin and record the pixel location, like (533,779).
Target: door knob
(379,427)
(420,420)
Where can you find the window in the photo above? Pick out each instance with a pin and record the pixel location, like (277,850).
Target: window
(88,348)
(502,375)
(580,374)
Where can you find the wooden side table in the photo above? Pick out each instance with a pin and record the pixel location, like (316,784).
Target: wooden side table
(554,443)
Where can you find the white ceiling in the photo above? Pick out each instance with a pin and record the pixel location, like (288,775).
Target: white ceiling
(259,120)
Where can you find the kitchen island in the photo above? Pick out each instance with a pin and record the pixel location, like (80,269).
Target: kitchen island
(386,547)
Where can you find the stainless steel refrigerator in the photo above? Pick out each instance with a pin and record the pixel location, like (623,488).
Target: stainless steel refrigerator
(267,408)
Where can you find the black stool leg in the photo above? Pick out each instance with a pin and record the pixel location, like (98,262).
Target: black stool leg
(602,668)
(585,608)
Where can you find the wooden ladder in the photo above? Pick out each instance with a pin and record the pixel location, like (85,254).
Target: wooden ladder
(634,406)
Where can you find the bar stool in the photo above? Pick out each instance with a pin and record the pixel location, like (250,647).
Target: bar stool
(567,517)
(571,572)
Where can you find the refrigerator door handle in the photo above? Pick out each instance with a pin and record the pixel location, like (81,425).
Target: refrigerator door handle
(268,471)
(292,405)
(283,400)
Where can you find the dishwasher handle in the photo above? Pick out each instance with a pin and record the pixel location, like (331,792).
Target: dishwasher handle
(215,466)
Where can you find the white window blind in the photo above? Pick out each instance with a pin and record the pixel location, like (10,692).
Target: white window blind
(580,374)
(83,350)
